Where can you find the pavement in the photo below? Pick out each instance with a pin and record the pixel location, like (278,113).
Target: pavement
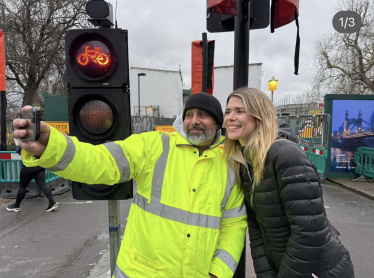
(365,188)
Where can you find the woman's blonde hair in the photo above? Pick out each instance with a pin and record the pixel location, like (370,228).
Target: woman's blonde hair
(258,105)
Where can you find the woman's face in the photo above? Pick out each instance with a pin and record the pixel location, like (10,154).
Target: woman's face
(239,125)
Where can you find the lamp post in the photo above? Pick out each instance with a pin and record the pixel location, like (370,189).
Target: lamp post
(272,85)
(139,74)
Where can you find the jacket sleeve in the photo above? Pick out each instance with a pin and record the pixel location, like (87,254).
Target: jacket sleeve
(232,235)
(301,194)
(261,265)
(109,163)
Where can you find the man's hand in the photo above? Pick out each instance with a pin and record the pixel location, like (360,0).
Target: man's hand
(213,276)
(36,147)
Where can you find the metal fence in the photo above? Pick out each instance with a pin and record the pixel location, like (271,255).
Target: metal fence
(310,130)
(313,133)
(146,123)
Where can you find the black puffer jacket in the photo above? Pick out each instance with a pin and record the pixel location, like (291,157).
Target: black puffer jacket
(289,232)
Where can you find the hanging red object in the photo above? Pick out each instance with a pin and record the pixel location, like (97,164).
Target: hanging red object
(2,62)
(284,12)
(197,67)
(228,7)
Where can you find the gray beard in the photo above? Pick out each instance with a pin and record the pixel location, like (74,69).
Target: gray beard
(197,140)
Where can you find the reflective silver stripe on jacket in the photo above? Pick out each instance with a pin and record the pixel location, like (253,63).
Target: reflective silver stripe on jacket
(159,171)
(226,258)
(66,158)
(118,273)
(176,214)
(121,160)
(235,212)
(229,186)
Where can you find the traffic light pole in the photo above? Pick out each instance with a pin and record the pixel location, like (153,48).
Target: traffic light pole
(114,232)
(241,61)
(241,45)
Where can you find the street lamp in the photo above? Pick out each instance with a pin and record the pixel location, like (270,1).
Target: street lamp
(273,84)
(139,74)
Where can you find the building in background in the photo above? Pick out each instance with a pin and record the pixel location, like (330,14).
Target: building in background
(161,92)
(299,109)
(224,80)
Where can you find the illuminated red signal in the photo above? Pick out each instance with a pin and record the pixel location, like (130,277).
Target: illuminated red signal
(93,58)
(93,55)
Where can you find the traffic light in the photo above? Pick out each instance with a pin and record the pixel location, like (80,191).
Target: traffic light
(97,70)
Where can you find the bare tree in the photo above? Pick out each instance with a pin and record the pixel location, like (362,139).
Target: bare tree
(344,63)
(308,96)
(34,36)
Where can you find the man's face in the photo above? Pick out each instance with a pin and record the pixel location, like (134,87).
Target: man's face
(199,127)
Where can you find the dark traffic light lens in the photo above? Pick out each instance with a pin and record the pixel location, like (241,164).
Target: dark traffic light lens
(96,117)
(93,58)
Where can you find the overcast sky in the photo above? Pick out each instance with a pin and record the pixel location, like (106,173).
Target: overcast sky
(161,32)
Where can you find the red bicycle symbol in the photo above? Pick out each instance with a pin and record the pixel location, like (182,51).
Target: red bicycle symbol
(94,54)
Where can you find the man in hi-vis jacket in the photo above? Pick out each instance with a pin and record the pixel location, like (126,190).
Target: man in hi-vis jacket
(187,218)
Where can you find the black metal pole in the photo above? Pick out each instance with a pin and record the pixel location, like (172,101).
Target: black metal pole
(241,45)
(205,63)
(3,121)
(139,96)
(241,61)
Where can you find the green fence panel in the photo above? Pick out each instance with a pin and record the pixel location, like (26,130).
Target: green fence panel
(364,159)
(10,169)
(318,156)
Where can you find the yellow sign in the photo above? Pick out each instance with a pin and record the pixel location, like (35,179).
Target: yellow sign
(166,128)
(63,127)
(315,111)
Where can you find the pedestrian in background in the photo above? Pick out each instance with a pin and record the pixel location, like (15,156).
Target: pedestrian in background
(188,217)
(25,177)
(289,232)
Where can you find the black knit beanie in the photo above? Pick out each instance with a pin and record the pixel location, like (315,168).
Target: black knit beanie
(205,102)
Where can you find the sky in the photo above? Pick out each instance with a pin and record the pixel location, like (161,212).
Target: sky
(161,32)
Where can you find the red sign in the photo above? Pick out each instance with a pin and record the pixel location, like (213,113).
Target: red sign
(229,7)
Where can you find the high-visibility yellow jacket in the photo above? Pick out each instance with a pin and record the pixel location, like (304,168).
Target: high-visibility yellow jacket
(187,218)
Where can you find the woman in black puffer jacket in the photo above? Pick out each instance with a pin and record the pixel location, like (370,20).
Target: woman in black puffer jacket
(289,232)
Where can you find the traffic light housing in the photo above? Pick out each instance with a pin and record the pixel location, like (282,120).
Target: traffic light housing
(259,17)
(97,71)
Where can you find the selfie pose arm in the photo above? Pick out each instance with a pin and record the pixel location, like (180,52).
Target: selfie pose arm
(71,159)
